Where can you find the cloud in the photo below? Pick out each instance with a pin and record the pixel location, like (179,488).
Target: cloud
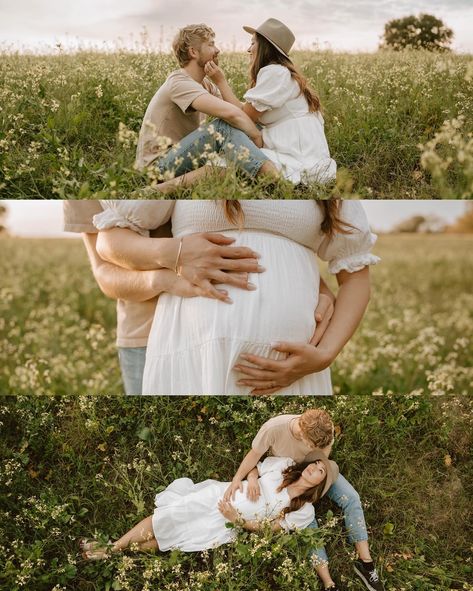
(344,24)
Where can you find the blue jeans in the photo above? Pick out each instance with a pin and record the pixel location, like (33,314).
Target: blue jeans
(132,364)
(217,137)
(345,496)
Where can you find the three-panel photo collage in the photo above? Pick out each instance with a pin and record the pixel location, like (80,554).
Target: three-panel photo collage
(236,297)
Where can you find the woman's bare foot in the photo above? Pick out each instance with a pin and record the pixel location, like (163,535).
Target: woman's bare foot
(95,550)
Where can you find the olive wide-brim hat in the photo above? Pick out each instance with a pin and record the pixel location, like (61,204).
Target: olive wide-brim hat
(276,33)
(331,469)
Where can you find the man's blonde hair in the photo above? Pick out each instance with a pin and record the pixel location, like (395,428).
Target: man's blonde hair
(190,36)
(317,427)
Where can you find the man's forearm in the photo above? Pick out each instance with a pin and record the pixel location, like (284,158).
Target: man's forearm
(118,283)
(242,121)
(248,464)
(134,286)
(129,250)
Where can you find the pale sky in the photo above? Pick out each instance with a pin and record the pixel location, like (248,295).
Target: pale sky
(352,25)
(34,218)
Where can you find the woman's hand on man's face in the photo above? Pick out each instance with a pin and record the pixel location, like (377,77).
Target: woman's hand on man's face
(214,72)
(266,376)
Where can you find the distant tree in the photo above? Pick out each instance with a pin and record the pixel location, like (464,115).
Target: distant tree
(464,223)
(410,225)
(432,224)
(417,32)
(428,224)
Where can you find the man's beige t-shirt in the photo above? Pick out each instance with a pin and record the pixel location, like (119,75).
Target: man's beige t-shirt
(276,438)
(170,115)
(133,318)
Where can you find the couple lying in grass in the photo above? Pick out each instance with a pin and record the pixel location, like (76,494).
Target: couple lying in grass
(281,489)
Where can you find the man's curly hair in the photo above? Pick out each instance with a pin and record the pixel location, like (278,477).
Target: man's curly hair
(317,427)
(190,36)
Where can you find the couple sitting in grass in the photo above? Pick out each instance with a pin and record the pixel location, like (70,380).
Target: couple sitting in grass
(281,489)
(278,131)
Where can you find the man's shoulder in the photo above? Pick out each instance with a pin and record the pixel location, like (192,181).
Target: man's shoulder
(278,421)
(180,78)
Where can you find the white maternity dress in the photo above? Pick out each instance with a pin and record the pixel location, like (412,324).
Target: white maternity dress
(194,343)
(293,137)
(187,516)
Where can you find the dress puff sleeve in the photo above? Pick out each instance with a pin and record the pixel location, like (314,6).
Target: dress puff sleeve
(273,464)
(139,216)
(299,519)
(273,88)
(352,251)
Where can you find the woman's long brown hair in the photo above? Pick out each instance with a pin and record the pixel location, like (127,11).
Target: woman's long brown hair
(331,222)
(267,54)
(311,495)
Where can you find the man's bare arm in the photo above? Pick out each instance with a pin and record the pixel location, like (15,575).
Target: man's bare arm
(216,107)
(118,283)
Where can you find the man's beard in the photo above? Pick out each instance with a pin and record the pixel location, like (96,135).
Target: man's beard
(202,62)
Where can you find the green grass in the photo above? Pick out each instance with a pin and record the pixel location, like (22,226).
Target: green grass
(57,329)
(90,466)
(384,112)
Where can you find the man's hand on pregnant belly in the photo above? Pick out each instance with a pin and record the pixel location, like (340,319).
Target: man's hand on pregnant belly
(271,375)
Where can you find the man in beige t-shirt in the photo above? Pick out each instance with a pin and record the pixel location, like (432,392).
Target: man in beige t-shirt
(170,137)
(298,437)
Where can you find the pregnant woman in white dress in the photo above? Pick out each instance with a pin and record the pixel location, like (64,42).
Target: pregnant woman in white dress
(192,517)
(204,346)
(282,102)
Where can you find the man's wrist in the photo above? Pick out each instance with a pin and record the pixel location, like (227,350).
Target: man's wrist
(162,280)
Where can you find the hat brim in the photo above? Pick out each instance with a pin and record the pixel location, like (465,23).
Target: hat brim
(331,470)
(253,31)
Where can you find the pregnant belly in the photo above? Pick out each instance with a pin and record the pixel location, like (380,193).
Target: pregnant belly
(251,510)
(281,308)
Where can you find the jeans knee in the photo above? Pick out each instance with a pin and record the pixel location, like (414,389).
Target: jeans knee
(221,125)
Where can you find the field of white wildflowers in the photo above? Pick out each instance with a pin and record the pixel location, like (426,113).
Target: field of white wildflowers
(399,124)
(90,466)
(57,329)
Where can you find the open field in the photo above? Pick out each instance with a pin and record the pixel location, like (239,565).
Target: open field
(57,329)
(89,466)
(399,125)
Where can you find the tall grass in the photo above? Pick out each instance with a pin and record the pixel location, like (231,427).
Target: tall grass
(398,124)
(74,467)
(57,329)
